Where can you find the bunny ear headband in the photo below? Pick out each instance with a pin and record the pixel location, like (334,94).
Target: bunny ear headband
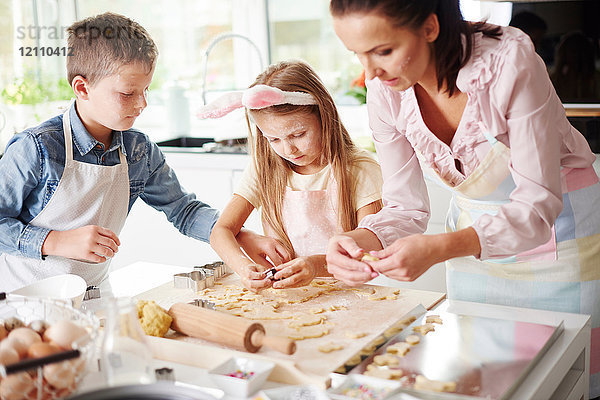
(254,98)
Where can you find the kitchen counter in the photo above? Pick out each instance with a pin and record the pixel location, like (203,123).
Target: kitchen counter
(561,373)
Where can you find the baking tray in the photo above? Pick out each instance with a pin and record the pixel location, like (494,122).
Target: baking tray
(487,358)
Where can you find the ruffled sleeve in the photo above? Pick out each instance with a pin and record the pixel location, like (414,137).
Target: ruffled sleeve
(524,104)
(405,199)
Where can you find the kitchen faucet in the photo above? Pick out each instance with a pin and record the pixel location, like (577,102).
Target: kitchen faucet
(217,39)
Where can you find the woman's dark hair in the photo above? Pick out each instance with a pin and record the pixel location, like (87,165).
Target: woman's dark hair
(450,55)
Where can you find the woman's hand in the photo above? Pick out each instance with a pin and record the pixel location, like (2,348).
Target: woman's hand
(298,272)
(253,277)
(262,248)
(342,258)
(407,258)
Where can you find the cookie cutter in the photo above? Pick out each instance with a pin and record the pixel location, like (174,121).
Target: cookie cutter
(204,304)
(91,292)
(209,276)
(219,267)
(195,280)
(164,374)
(271,274)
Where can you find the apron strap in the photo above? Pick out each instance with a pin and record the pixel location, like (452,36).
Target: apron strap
(67,134)
(490,138)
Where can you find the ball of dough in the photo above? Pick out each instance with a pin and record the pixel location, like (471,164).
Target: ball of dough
(154,320)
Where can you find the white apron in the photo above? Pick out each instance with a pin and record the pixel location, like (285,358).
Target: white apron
(560,275)
(309,219)
(87,194)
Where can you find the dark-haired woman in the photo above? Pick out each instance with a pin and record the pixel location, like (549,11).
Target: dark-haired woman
(472,107)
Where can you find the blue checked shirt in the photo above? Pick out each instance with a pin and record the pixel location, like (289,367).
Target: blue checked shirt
(33,164)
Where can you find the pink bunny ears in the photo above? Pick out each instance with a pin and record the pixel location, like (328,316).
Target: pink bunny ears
(254,98)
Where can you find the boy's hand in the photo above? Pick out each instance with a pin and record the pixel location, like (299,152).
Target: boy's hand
(89,243)
(298,272)
(259,247)
(254,278)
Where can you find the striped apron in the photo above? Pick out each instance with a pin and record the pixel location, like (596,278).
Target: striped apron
(560,275)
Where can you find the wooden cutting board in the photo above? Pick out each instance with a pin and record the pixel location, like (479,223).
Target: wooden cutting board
(355,313)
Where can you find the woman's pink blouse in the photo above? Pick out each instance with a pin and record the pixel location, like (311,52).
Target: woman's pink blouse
(509,95)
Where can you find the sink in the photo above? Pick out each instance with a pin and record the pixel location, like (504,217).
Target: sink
(186,142)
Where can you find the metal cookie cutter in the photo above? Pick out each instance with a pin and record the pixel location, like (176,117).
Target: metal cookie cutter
(164,374)
(209,275)
(195,280)
(91,292)
(219,267)
(204,304)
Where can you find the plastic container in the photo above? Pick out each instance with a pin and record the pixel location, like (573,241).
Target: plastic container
(248,375)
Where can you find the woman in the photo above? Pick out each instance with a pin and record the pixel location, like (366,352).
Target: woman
(471,106)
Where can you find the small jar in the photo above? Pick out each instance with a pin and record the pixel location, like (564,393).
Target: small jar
(126,356)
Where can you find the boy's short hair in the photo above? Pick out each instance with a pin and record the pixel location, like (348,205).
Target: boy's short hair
(102,44)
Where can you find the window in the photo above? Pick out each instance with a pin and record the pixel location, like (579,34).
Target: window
(304,30)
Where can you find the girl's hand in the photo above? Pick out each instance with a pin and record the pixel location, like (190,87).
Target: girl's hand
(298,272)
(259,248)
(342,261)
(89,243)
(253,277)
(407,258)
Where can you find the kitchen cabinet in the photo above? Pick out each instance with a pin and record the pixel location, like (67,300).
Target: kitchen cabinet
(148,236)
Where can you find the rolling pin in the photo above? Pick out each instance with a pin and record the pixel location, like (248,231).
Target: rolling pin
(226,329)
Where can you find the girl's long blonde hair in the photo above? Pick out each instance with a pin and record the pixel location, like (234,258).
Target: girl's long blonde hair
(338,148)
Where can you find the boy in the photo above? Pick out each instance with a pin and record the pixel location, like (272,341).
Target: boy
(67,185)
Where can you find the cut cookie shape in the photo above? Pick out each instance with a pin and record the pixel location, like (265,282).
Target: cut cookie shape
(400,349)
(422,383)
(412,339)
(433,319)
(424,329)
(383,373)
(368,257)
(306,320)
(386,359)
(355,335)
(329,347)
(310,332)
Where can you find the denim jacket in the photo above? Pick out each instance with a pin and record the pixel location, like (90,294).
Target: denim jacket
(33,164)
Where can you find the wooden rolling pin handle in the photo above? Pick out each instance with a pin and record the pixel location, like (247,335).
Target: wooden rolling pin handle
(281,344)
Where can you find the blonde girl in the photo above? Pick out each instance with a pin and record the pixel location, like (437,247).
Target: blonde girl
(307,177)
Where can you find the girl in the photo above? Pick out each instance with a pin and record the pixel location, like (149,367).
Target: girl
(307,177)
(472,106)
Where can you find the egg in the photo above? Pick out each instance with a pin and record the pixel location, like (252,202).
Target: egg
(39,326)
(3,331)
(13,323)
(26,336)
(42,349)
(8,356)
(16,386)
(11,343)
(60,375)
(64,333)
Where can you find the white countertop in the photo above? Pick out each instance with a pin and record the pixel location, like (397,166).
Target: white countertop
(563,369)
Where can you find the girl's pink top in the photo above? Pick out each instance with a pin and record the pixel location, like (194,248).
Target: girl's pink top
(511,96)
